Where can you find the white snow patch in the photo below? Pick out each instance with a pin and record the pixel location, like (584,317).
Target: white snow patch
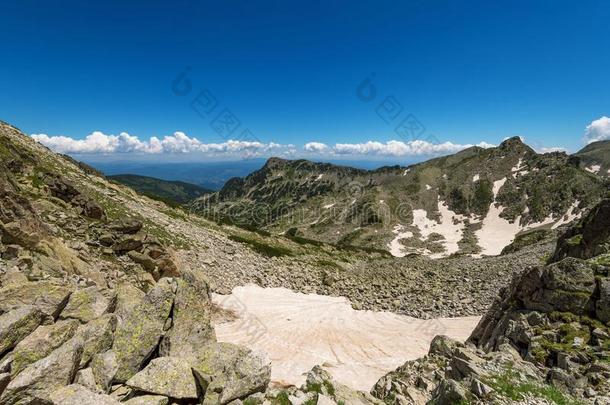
(428,187)
(406,171)
(517,169)
(569,215)
(357,347)
(381,201)
(319,177)
(327,206)
(450,227)
(475,178)
(396,248)
(593,169)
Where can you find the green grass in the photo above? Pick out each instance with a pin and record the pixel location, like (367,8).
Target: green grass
(508,385)
(262,248)
(281,399)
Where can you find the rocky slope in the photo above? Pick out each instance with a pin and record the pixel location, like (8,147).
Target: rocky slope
(473,202)
(547,336)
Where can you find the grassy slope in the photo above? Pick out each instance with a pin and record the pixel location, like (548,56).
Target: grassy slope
(177,192)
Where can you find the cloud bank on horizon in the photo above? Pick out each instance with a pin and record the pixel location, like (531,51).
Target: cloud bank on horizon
(98,143)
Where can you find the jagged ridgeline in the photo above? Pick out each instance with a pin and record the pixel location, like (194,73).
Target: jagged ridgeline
(595,158)
(473,202)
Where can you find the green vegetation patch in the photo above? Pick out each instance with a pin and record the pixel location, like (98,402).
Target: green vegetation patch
(261,247)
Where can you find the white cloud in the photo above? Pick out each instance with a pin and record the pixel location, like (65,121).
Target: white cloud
(598,130)
(551,149)
(316,147)
(100,143)
(399,148)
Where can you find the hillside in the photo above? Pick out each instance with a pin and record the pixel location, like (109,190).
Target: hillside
(474,202)
(174,192)
(546,337)
(595,158)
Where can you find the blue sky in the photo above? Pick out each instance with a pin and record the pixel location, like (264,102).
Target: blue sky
(469,72)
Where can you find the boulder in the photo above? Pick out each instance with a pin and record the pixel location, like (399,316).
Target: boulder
(97,336)
(48,297)
(138,335)
(450,392)
(104,368)
(41,343)
(129,242)
(5,378)
(21,232)
(191,327)
(146,262)
(128,297)
(39,379)
(226,372)
(167,376)
(77,394)
(443,346)
(147,400)
(87,304)
(85,378)
(15,325)
(126,226)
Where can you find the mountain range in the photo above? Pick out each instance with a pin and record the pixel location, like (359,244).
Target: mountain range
(106,294)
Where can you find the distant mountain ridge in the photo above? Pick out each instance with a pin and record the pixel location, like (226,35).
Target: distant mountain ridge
(177,192)
(473,202)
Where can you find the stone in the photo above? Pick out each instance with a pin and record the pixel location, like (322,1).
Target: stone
(85,378)
(48,297)
(21,233)
(191,316)
(97,336)
(14,276)
(104,368)
(167,376)
(76,394)
(443,346)
(480,389)
(11,252)
(139,334)
(450,392)
(146,262)
(126,226)
(128,297)
(39,379)
(87,304)
(226,372)
(106,239)
(324,400)
(147,400)
(41,343)
(127,243)
(15,325)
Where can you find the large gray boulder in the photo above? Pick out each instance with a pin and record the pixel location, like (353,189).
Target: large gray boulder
(77,394)
(50,298)
(227,372)
(138,335)
(104,368)
(38,380)
(167,376)
(87,304)
(15,325)
(97,336)
(128,297)
(41,343)
(191,327)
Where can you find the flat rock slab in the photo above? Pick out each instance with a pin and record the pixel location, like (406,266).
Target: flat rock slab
(167,376)
(76,394)
(299,331)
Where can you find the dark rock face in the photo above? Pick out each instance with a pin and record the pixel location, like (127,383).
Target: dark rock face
(590,238)
(65,191)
